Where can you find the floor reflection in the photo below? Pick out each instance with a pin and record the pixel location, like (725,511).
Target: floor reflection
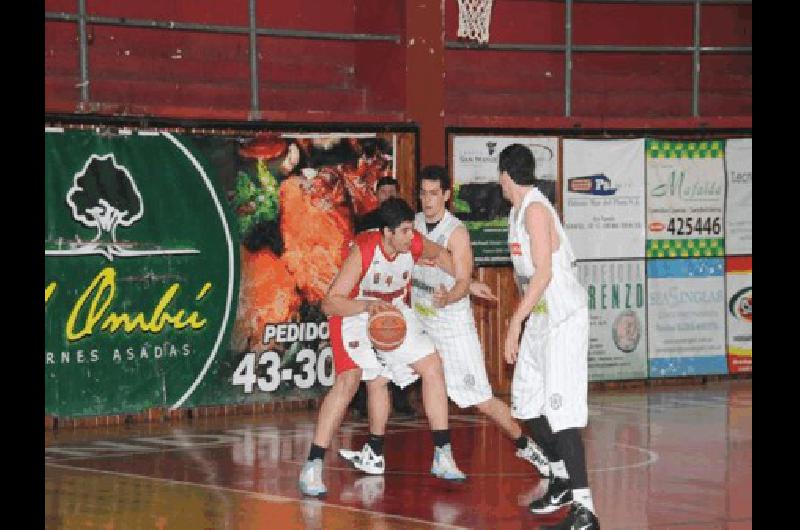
(659,457)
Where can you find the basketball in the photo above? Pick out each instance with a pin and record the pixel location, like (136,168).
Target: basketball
(387,329)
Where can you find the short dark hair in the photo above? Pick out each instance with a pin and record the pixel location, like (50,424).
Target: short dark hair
(437,173)
(517,160)
(372,146)
(386,181)
(393,212)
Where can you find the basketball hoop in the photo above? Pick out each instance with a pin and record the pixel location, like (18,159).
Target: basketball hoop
(473,19)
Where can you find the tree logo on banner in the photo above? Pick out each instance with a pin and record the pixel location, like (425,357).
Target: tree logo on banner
(141,273)
(104,196)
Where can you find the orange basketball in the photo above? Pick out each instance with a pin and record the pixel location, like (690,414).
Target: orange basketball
(387,329)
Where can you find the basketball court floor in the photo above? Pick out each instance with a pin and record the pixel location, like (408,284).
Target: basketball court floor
(672,457)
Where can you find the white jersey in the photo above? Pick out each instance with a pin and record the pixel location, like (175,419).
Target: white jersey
(452,327)
(387,279)
(551,375)
(383,278)
(564,295)
(425,279)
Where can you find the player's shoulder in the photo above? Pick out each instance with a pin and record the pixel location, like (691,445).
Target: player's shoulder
(453,218)
(537,209)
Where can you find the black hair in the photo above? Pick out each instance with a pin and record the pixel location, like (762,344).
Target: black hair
(386,181)
(393,212)
(517,160)
(372,146)
(437,173)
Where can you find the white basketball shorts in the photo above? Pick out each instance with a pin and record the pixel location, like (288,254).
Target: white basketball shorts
(457,341)
(551,375)
(394,365)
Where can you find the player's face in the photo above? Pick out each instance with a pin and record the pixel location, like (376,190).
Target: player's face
(400,238)
(433,199)
(505,185)
(386,192)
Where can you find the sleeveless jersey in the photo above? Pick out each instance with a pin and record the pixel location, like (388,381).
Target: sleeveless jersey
(426,279)
(564,295)
(383,278)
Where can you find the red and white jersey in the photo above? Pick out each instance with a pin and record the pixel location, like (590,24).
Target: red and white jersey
(383,278)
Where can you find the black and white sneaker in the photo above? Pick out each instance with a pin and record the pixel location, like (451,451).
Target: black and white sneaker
(365,460)
(534,454)
(579,517)
(559,494)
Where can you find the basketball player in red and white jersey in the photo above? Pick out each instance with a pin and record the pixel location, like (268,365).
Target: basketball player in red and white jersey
(376,273)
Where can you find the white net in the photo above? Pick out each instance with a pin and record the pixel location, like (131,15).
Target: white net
(473,19)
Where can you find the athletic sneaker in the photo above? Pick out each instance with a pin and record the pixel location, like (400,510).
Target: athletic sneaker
(533,454)
(310,481)
(365,460)
(443,464)
(579,517)
(559,494)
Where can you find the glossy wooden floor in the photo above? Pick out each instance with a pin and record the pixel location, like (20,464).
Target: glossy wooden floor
(659,458)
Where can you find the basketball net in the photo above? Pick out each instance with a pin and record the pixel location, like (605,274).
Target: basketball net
(473,19)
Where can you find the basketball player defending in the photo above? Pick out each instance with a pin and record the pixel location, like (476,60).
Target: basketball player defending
(376,273)
(441,303)
(549,389)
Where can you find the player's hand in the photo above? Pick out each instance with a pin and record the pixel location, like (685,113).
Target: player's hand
(511,347)
(440,296)
(481,290)
(373,306)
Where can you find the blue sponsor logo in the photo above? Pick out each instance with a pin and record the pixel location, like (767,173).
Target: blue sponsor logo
(592,185)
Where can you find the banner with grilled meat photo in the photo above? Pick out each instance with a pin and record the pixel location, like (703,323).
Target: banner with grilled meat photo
(297,198)
(187,269)
(477,198)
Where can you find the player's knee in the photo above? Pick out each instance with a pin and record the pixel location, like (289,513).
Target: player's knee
(379,383)
(431,366)
(348,381)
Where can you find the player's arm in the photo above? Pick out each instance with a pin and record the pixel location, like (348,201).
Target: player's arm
(438,255)
(481,290)
(537,222)
(337,301)
(461,250)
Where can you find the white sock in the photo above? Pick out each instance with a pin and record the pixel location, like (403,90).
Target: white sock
(583,496)
(559,469)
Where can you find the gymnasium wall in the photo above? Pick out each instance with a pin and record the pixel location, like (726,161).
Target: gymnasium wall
(384,64)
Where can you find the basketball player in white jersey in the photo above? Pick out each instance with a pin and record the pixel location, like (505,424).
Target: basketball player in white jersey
(549,389)
(440,301)
(376,273)
(442,305)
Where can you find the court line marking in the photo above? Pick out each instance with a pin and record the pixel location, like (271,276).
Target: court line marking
(260,496)
(653,456)
(153,449)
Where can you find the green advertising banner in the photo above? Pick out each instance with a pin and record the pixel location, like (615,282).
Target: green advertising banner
(141,272)
(477,197)
(184,271)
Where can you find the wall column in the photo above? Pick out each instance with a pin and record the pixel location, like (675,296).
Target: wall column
(425,76)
